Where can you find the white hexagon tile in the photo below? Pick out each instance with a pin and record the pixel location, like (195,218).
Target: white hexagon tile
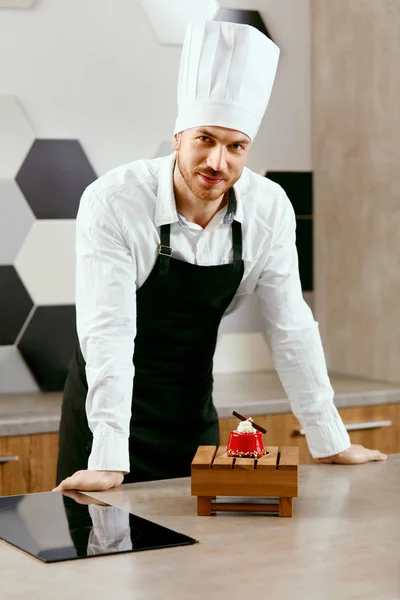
(16,218)
(16,137)
(46,262)
(170,19)
(15,376)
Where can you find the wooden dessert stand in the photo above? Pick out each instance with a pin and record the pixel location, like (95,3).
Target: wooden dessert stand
(214,474)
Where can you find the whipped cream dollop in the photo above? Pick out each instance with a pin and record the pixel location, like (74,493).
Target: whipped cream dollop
(245,427)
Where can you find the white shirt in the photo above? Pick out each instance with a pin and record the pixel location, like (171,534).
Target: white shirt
(118,235)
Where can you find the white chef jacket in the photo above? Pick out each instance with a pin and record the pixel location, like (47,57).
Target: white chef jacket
(118,235)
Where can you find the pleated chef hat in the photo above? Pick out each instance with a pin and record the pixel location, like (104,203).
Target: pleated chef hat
(225,78)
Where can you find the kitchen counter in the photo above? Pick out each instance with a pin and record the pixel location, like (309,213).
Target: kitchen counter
(249,393)
(342,543)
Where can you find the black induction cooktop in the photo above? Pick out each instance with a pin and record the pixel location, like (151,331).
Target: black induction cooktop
(56,526)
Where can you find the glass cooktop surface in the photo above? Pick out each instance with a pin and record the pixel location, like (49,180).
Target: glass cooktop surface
(55,526)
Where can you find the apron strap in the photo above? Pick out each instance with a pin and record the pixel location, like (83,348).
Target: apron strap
(237,245)
(165,250)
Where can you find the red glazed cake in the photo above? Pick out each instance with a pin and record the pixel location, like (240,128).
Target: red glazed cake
(245,442)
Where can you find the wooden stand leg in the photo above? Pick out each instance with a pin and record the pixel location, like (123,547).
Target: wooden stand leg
(204,506)
(285,507)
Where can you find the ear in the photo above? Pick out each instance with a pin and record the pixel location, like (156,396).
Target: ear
(176,141)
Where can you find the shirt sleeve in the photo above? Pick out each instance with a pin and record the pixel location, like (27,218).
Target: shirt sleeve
(106,325)
(295,342)
(111,530)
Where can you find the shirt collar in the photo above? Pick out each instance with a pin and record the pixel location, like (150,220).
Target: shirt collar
(166,207)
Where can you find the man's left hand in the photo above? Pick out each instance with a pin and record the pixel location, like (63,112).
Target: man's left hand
(354,455)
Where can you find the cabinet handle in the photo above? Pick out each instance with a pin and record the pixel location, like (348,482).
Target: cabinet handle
(356,426)
(5,459)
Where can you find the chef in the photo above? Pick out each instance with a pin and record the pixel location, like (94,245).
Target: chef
(166,248)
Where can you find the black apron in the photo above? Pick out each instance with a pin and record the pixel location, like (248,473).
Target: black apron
(179,309)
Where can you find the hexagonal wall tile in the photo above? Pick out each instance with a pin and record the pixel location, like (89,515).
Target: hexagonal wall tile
(15,376)
(53,178)
(16,219)
(15,305)
(48,343)
(298,186)
(16,137)
(170,19)
(247,319)
(46,262)
(164,149)
(16,3)
(247,17)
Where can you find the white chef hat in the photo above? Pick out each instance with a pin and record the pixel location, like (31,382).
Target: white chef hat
(225,78)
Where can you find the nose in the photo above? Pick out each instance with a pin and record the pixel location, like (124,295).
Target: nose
(216,158)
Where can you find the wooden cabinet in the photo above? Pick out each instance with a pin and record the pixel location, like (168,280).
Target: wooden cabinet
(371,426)
(28,463)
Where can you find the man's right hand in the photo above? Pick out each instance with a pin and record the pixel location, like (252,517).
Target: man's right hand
(91,481)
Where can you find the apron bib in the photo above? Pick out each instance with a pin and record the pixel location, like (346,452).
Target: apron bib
(179,309)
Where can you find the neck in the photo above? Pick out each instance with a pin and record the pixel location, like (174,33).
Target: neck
(195,210)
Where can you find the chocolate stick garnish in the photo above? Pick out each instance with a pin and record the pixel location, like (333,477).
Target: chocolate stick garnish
(242,418)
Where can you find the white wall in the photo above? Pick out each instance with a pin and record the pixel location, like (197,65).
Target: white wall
(93,70)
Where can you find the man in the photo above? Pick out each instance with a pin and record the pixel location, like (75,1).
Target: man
(165,248)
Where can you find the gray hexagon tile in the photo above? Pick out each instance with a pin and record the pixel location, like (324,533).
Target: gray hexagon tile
(16,218)
(15,305)
(164,149)
(53,177)
(247,17)
(16,3)
(16,137)
(15,376)
(170,19)
(46,262)
(48,343)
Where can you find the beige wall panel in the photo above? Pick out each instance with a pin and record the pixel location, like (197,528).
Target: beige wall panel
(356,158)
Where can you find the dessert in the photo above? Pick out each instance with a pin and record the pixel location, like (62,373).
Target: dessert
(245,442)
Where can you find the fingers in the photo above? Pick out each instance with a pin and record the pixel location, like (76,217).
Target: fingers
(377,455)
(91,481)
(81,480)
(364,455)
(354,455)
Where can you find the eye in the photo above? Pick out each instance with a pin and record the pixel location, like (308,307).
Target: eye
(237,147)
(204,138)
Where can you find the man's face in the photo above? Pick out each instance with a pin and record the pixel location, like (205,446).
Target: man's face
(210,160)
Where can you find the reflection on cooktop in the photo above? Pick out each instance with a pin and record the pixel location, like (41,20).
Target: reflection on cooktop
(56,526)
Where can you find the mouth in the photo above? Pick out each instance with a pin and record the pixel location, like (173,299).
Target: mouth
(210,180)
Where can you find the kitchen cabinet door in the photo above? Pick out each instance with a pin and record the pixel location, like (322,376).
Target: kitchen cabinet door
(28,463)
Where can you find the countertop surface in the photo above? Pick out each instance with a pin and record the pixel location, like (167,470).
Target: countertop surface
(342,543)
(252,394)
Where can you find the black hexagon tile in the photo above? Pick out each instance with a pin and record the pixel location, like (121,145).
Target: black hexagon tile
(304,243)
(298,185)
(15,305)
(48,343)
(53,176)
(247,17)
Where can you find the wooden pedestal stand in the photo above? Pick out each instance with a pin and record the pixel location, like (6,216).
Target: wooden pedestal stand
(214,474)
